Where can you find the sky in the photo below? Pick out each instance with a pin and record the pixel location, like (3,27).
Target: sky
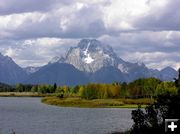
(32,32)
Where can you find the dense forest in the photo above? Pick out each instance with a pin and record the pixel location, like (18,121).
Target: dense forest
(141,88)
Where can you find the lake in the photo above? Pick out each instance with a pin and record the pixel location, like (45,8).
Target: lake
(25,115)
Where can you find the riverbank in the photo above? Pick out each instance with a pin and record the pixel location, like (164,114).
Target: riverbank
(22,94)
(97,103)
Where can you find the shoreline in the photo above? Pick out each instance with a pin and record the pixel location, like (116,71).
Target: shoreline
(49,99)
(96,103)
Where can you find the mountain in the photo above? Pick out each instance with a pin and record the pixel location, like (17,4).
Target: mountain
(60,73)
(89,61)
(10,72)
(91,56)
(108,75)
(168,74)
(31,70)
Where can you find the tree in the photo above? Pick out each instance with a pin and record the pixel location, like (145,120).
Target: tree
(115,90)
(34,88)
(60,92)
(54,87)
(20,87)
(44,89)
(124,90)
(177,81)
(75,89)
(166,106)
(166,87)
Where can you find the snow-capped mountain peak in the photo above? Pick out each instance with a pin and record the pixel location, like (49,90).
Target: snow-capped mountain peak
(91,55)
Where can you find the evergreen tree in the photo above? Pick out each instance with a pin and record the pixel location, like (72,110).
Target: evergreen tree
(54,87)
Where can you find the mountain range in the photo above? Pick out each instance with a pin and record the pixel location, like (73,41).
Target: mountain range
(89,61)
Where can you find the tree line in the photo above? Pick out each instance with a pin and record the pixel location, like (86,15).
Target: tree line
(140,88)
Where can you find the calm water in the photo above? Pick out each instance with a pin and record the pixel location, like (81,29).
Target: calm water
(30,116)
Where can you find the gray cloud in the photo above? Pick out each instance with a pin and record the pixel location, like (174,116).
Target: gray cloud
(16,6)
(69,21)
(147,31)
(152,48)
(164,18)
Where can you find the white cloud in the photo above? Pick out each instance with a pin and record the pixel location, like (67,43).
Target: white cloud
(44,42)
(121,13)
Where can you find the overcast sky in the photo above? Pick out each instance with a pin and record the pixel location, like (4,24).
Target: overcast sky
(34,31)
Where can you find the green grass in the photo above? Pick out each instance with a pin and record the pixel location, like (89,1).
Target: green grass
(97,103)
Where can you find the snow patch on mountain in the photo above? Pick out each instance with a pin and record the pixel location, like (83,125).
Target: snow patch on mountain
(31,70)
(88,59)
(122,68)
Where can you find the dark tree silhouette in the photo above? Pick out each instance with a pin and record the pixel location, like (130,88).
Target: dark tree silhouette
(151,121)
(177,81)
(55,86)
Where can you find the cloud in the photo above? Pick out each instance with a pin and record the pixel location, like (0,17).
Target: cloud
(15,6)
(119,15)
(36,52)
(75,20)
(157,60)
(32,31)
(155,49)
(83,19)
(163,15)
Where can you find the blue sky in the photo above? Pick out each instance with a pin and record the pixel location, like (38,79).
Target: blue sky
(32,32)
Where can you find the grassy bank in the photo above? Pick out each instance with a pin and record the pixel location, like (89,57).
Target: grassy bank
(96,103)
(21,94)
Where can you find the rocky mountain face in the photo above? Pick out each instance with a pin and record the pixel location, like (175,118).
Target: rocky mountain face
(92,55)
(10,72)
(89,61)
